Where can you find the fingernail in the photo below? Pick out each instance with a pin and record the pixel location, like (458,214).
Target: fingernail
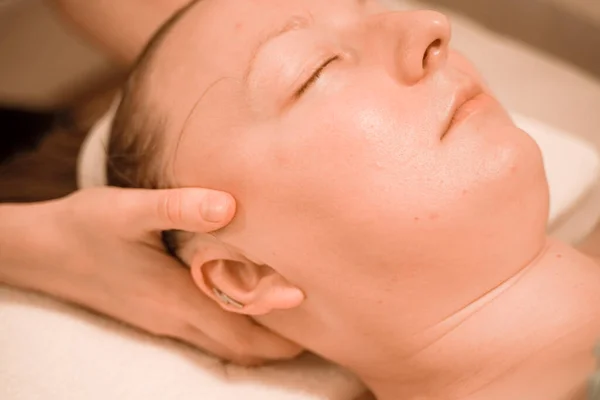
(215,207)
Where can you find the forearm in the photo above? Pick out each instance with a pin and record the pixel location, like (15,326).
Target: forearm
(120,28)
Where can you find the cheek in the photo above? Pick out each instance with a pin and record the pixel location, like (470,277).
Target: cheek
(380,153)
(365,167)
(354,147)
(316,180)
(362,174)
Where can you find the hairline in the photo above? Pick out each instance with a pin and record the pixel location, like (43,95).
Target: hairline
(139,75)
(136,99)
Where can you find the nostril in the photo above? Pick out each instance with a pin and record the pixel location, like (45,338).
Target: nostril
(432,51)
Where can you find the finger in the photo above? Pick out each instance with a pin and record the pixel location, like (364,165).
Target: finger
(269,345)
(190,209)
(245,338)
(198,339)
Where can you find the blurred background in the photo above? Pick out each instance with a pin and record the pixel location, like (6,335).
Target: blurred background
(43,63)
(541,57)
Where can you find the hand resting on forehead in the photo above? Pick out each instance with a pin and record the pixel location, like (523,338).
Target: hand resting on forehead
(391,216)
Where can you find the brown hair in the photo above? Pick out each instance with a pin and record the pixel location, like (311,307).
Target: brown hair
(134,149)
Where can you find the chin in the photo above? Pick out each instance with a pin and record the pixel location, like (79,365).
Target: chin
(517,155)
(516,187)
(526,178)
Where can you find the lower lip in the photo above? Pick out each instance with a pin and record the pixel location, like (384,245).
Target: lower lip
(468,109)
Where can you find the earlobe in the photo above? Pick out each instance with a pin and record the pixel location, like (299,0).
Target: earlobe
(241,286)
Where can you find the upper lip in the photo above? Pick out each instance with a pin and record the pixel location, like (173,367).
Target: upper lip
(465,92)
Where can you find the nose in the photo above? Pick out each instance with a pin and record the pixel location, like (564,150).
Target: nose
(416,43)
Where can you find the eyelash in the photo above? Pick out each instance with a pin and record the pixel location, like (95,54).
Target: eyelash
(315,76)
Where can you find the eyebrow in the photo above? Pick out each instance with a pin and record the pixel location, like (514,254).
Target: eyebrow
(295,23)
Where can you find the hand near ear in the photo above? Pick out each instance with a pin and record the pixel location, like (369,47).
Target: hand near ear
(101,249)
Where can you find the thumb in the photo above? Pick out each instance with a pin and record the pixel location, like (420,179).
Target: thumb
(188,209)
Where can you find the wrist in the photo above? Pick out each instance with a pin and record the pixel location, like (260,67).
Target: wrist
(29,242)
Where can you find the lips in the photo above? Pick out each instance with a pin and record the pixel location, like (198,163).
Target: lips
(459,107)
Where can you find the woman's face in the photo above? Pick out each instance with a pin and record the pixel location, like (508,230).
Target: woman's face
(346,134)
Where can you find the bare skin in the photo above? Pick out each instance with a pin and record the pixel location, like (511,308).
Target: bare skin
(369,231)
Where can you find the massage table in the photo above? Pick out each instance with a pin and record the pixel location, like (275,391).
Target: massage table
(49,350)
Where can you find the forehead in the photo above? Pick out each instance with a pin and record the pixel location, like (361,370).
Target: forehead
(217,38)
(254,16)
(208,50)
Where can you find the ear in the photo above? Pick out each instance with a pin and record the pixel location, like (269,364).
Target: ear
(257,289)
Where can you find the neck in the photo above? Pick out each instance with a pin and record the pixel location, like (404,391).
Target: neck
(531,337)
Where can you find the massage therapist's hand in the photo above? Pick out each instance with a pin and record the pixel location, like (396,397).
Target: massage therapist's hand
(100,248)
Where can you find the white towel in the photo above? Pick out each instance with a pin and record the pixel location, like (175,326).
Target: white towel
(53,351)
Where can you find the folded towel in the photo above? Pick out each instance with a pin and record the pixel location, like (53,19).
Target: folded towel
(54,351)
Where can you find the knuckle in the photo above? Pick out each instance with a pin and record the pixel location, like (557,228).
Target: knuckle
(170,207)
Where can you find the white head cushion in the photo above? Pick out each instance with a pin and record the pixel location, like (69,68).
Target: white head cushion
(54,351)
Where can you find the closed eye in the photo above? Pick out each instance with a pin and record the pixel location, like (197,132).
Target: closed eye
(315,76)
